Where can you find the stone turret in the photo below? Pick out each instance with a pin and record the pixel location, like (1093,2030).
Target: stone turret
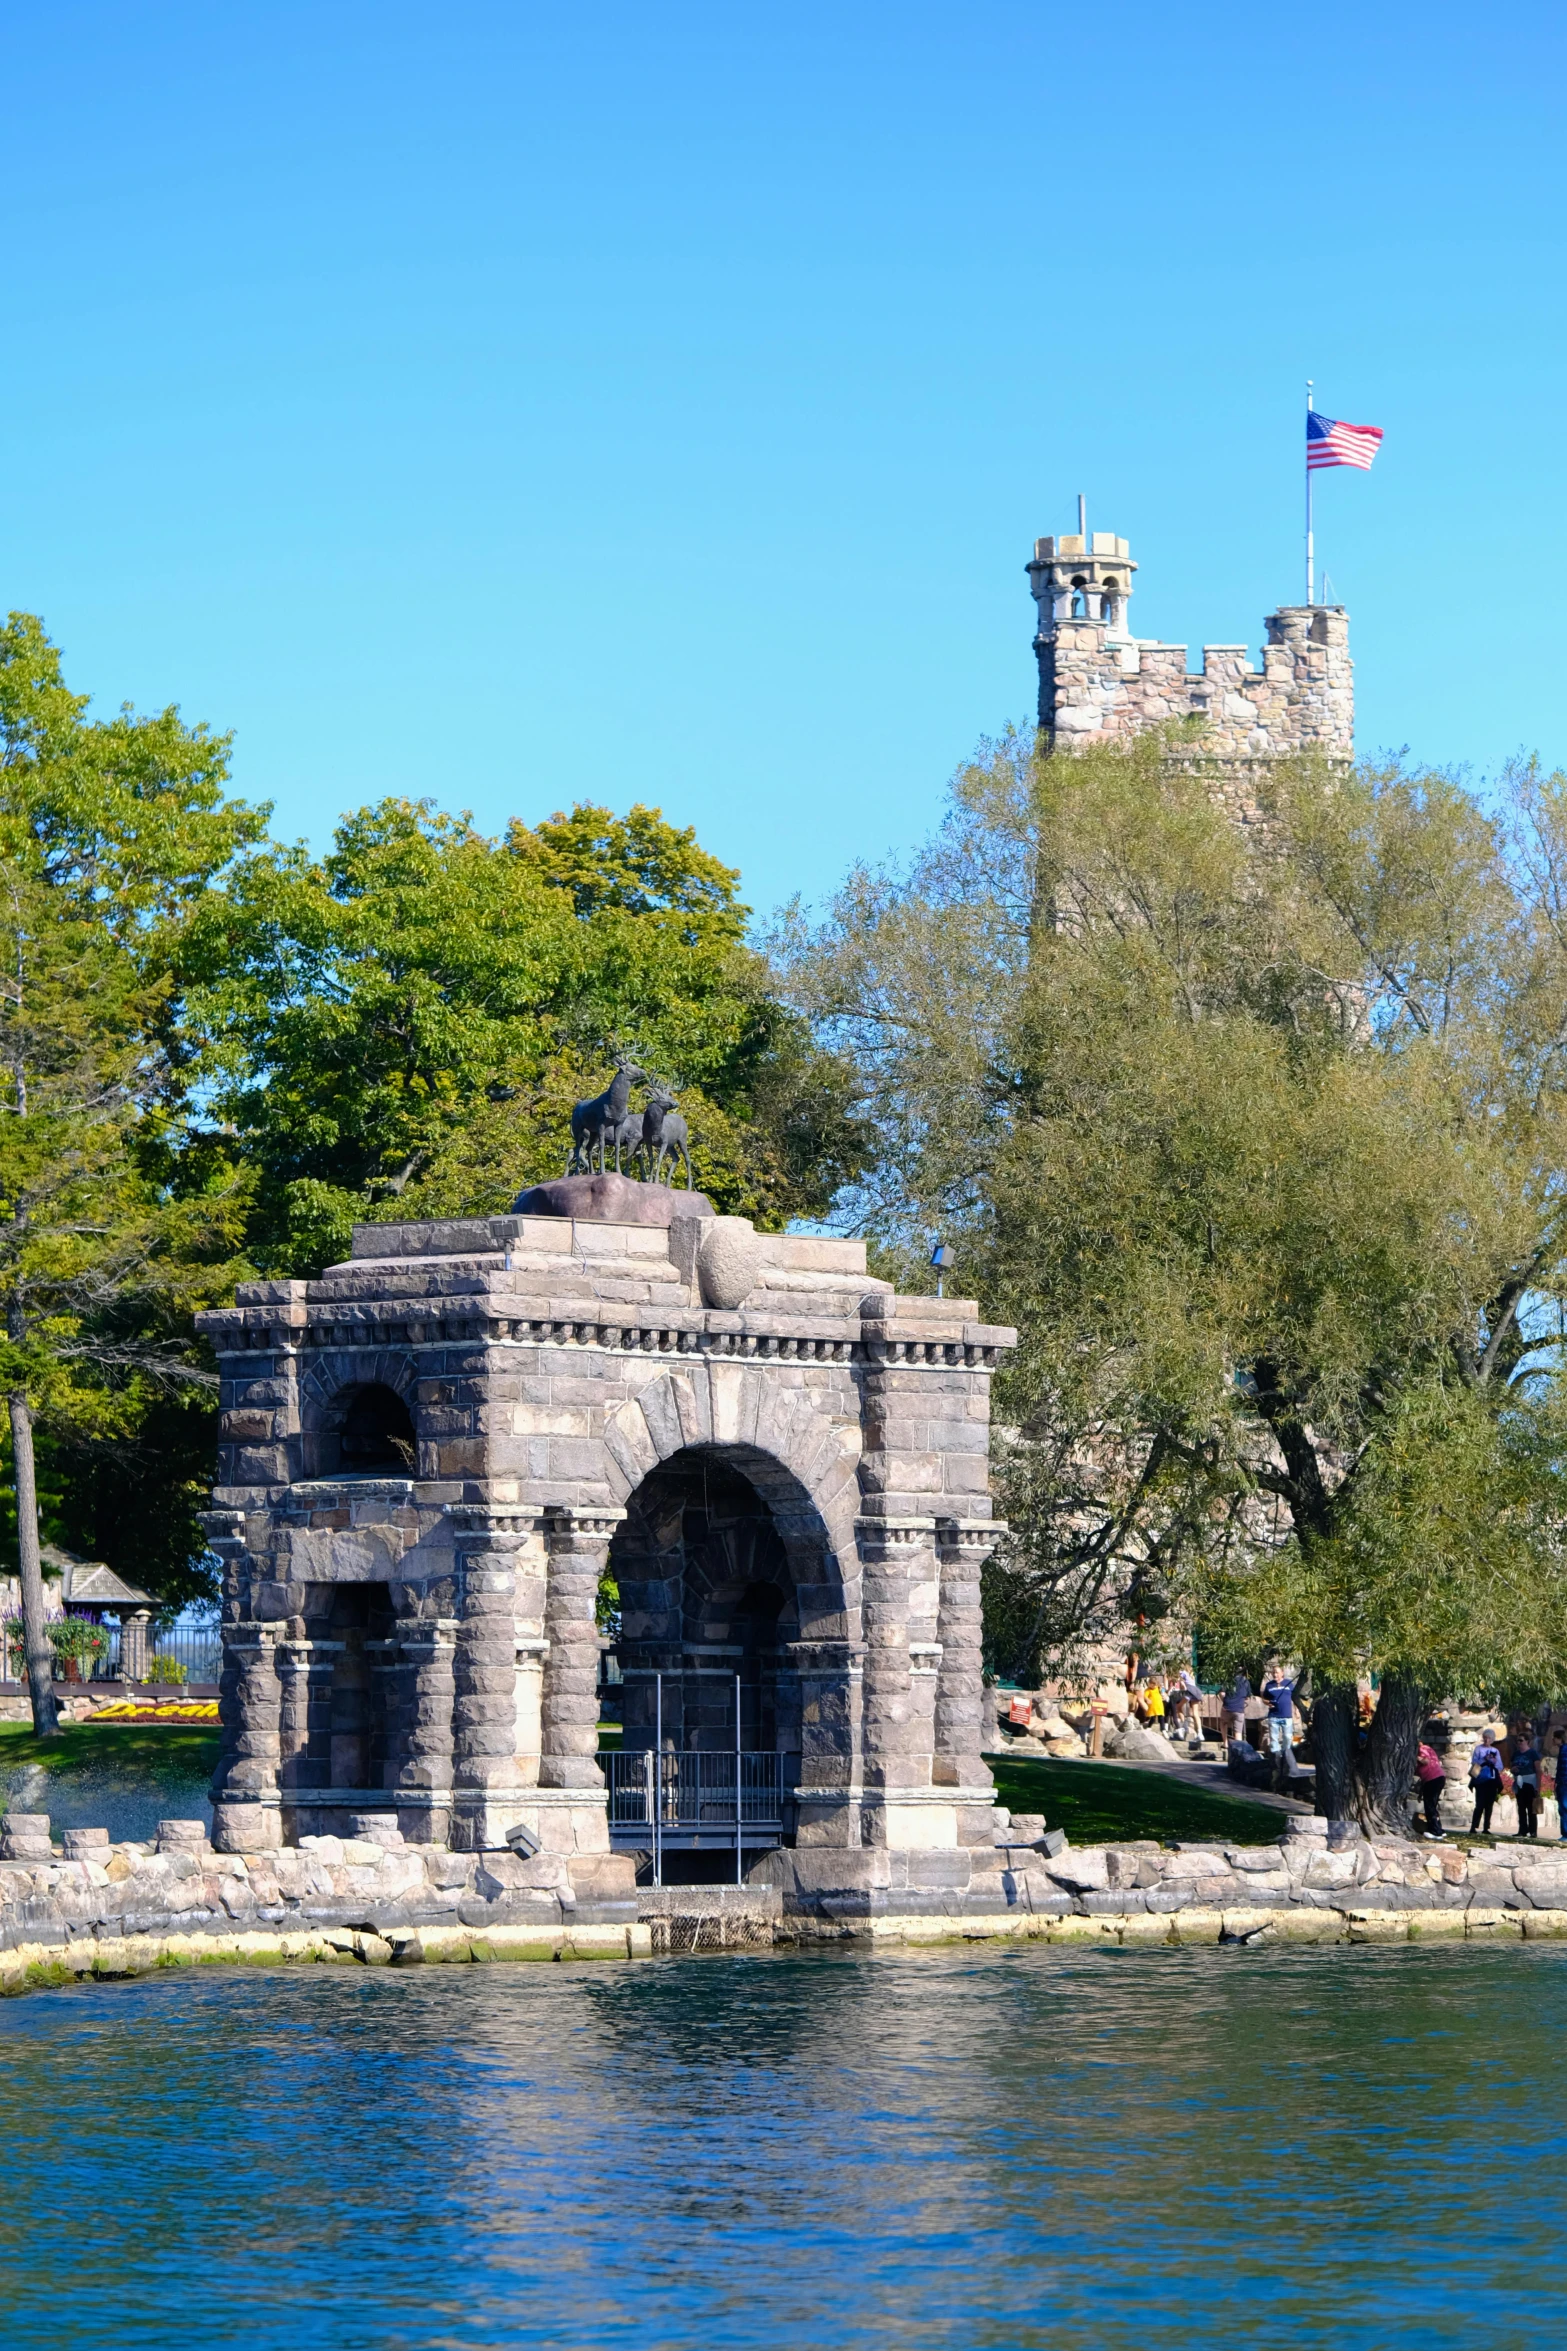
(1098,682)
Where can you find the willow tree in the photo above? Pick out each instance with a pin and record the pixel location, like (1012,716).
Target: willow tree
(110,832)
(1259,1136)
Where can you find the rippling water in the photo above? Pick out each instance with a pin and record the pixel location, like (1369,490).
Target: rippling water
(993,2147)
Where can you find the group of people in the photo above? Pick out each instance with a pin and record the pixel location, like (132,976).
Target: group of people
(1504,1762)
(1508,1760)
(1173,1705)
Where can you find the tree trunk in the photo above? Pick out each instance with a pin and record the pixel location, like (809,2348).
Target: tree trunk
(1386,1765)
(1333,1748)
(35,1635)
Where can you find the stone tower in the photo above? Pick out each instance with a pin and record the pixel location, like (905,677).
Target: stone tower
(1097,681)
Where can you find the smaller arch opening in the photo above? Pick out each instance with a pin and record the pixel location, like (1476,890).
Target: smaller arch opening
(375,1434)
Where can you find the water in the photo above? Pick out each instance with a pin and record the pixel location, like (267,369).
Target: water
(129,1801)
(991,2147)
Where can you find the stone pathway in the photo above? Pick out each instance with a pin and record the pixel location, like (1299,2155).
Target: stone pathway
(1199,1772)
(1195,1771)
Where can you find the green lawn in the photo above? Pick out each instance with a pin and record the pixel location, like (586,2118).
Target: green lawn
(1101,1803)
(185,1750)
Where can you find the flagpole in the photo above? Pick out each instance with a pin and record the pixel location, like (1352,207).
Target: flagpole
(1310,566)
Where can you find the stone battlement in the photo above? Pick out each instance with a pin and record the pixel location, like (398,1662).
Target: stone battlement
(1097,682)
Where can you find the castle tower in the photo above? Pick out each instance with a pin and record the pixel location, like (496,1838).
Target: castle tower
(1098,682)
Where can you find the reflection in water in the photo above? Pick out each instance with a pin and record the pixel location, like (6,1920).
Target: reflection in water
(969,2148)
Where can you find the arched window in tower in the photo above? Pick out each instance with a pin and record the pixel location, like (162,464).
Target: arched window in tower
(1111,606)
(1079,600)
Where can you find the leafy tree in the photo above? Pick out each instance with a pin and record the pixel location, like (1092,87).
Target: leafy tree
(1259,1139)
(110,833)
(404,1025)
(636,864)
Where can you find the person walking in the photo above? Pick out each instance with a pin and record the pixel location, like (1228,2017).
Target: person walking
(1526,1783)
(1188,1699)
(1236,1699)
(1433,1779)
(1485,1778)
(1153,1706)
(1279,1694)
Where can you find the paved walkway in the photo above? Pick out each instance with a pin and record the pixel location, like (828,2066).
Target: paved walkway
(1200,1772)
(1194,1770)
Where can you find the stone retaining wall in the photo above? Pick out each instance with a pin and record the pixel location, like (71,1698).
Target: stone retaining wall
(89,1908)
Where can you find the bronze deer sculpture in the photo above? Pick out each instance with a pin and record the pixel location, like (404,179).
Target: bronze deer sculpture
(594,1123)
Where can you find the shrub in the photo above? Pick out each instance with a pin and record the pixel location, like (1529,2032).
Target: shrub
(165,1669)
(72,1638)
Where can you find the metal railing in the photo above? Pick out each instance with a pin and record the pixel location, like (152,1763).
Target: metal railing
(683,1792)
(198,1650)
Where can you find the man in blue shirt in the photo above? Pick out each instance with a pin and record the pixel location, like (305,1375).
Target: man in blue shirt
(1279,1694)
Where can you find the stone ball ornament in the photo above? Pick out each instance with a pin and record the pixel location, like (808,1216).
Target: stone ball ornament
(729,1261)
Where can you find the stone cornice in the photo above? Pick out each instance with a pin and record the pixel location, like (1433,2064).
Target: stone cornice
(788,1339)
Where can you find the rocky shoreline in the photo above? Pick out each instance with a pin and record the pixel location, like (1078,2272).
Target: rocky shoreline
(85,1908)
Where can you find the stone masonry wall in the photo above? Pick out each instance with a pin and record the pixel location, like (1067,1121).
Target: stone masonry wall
(88,1908)
(1301,698)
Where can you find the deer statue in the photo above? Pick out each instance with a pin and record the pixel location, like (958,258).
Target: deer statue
(663,1135)
(626,1135)
(597,1122)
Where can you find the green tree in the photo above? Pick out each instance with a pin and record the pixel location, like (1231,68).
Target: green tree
(1258,1136)
(404,1025)
(110,834)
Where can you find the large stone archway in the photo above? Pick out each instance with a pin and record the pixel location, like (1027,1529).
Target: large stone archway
(551,1369)
(727,1586)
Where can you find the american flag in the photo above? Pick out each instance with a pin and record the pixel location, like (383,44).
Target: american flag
(1328,443)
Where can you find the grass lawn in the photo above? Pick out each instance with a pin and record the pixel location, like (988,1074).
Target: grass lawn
(1101,1803)
(160,1750)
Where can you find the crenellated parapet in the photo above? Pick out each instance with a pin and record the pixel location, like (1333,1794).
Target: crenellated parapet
(1098,682)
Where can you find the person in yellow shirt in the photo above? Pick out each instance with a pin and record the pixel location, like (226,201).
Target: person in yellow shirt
(1153,1707)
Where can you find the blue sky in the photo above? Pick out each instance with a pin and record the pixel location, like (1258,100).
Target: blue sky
(517,405)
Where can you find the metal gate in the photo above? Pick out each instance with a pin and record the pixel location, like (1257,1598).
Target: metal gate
(690,1797)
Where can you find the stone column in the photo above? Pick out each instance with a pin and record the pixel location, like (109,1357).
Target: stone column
(423,1788)
(133,1644)
(829,1676)
(578,1549)
(485,1777)
(246,1814)
(963,1546)
(897,1741)
(293,1666)
(530,1566)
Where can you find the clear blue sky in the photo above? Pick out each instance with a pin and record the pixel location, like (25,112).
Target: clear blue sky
(519,404)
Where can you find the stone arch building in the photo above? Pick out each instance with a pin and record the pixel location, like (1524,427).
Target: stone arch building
(433,1454)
